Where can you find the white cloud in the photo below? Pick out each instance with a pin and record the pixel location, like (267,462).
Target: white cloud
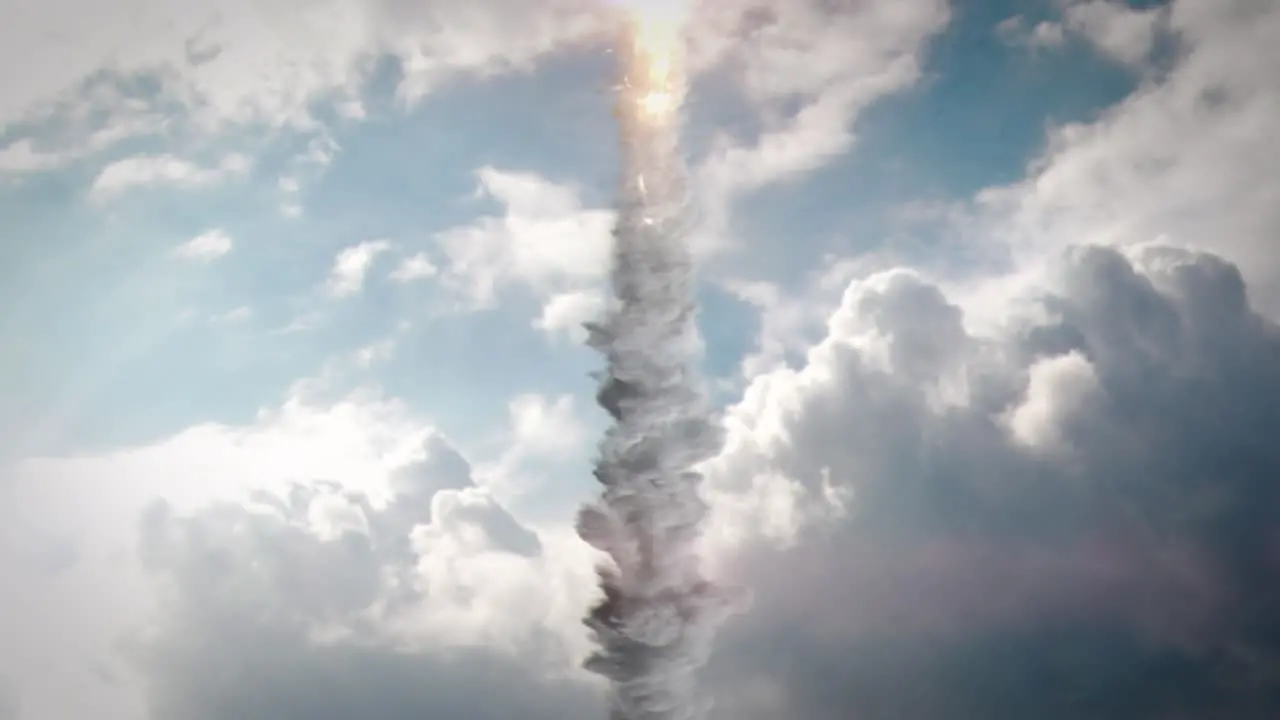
(795,50)
(545,240)
(232,62)
(145,170)
(473,548)
(414,267)
(26,154)
(819,132)
(545,435)
(352,266)
(205,247)
(1059,389)
(290,190)
(546,428)
(379,352)
(788,324)
(303,322)
(1080,491)
(331,516)
(21,156)
(1187,157)
(566,312)
(236,315)
(63,627)
(810,68)
(1098,460)
(348,527)
(1047,34)
(353,537)
(1125,33)
(438,41)
(1043,35)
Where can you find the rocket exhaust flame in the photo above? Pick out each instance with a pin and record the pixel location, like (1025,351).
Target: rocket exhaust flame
(656,620)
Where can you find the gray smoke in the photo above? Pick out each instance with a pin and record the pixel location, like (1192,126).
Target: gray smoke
(655,623)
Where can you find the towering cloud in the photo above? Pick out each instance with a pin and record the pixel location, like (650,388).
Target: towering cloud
(1069,513)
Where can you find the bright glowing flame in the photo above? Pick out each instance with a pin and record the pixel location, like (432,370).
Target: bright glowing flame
(658,103)
(657,49)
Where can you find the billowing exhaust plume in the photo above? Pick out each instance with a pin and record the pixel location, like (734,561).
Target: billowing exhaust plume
(655,623)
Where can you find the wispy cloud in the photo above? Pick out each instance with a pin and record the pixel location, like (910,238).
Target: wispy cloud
(1190,157)
(1041,36)
(166,169)
(1120,31)
(809,72)
(236,315)
(205,247)
(414,267)
(545,240)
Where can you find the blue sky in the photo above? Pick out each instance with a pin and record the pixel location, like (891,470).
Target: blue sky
(113,360)
(346,244)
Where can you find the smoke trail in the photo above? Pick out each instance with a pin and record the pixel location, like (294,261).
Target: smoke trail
(655,623)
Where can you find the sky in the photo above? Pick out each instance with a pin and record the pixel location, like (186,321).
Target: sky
(295,411)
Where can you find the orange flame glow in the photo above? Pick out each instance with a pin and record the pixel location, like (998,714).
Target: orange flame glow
(656,28)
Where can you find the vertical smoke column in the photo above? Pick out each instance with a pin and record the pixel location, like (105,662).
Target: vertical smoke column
(656,620)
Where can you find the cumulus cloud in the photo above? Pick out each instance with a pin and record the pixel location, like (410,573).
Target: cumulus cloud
(1059,390)
(789,325)
(934,521)
(544,241)
(1187,158)
(205,247)
(352,266)
(394,611)
(1071,517)
(329,558)
(145,170)
(566,312)
(1065,513)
